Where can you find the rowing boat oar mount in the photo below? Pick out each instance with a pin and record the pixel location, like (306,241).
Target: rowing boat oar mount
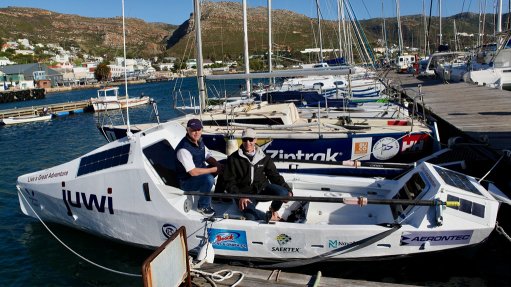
(361,201)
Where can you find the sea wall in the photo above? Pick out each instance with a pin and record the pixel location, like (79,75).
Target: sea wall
(21,95)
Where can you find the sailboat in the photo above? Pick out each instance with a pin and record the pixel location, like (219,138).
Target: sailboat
(288,136)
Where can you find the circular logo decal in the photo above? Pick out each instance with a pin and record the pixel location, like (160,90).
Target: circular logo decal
(386,148)
(168,230)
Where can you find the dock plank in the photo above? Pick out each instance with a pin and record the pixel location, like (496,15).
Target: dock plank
(255,277)
(478,111)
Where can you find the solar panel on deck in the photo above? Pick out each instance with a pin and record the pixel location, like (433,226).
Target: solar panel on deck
(467,206)
(457,180)
(103,160)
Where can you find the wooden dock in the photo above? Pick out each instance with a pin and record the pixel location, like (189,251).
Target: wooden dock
(254,277)
(482,113)
(60,109)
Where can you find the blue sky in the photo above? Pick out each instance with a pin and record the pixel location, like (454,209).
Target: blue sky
(177,11)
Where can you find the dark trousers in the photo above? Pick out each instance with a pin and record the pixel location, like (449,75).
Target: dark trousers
(251,213)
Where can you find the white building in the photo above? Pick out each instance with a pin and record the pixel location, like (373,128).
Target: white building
(166,66)
(4,61)
(25,43)
(116,71)
(24,52)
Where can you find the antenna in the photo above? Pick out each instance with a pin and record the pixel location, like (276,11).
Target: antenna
(128,130)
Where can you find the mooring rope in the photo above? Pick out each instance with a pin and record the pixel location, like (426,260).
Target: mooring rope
(500,230)
(70,249)
(491,169)
(218,277)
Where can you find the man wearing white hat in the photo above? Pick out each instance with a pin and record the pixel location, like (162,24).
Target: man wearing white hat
(251,171)
(192,171)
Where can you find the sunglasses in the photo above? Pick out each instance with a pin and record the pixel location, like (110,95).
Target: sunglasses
(247,139)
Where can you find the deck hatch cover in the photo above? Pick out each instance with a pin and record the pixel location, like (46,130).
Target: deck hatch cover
(103,160)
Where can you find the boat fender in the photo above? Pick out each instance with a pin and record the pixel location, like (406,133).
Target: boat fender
(206,253)
(231,146)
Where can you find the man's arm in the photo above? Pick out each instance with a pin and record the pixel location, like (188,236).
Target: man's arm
(213,162)
(185,157)
(274,176)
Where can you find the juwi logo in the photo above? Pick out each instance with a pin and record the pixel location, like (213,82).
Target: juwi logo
(89,201)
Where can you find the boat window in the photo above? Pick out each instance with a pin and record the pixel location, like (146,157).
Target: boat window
(162,157)
(410,191)
(103,160)
(457,180)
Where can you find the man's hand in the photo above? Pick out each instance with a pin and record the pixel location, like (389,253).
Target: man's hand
(243,203)
(290,194)
(220,168)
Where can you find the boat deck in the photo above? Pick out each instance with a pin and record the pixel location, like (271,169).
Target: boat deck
(480,112)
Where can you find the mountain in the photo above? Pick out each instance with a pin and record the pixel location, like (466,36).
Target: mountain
(96,36)
(222,32)
(223,35)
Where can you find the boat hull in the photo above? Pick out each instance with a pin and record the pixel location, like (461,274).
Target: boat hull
(24,119)
(99,105)
(396,147)
(123,191)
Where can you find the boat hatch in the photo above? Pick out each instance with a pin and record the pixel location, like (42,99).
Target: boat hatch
(410,190)
(103,160)
(162,157)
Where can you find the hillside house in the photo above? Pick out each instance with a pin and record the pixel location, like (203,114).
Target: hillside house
(23,76)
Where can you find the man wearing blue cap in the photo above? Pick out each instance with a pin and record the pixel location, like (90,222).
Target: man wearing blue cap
(192,172)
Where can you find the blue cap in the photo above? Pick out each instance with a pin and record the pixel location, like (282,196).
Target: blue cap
(194,124)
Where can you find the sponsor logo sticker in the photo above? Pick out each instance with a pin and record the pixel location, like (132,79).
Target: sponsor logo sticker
(168,229)
(418,238)
(285,243)
(228,239)
(386,148)
(334,243)
(361,148)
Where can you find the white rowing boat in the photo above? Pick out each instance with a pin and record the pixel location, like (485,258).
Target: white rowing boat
(25,119)
(126,191)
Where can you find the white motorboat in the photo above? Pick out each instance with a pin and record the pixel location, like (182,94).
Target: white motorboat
(108,99)
(25,119)
(495,73)
(126,191)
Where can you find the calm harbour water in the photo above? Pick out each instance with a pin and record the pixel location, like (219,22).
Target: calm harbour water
(31,256)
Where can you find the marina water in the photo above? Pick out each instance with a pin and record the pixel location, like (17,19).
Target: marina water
(31,256)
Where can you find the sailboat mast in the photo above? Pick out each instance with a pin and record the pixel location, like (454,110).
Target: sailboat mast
(198,47)
(245,46)
(128,130)
(345,36)
(341,50)
(270,41)
(499,16)
(455,36)
(399,31)
(319,31)
(384,33)
(424,22)
(440,22)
